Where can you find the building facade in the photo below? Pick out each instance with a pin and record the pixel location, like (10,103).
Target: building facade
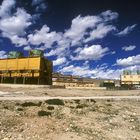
(130,78)
(26,70)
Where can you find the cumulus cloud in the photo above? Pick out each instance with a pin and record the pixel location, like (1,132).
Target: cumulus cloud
(132,68)
(27,48)
(18,41)
(61,51)
(126,31)
(98,72)
(84,29)
(5,8)
(100,32)
(113,52)
(79,26)
(129,48)
(77,70)
(101,71)
(108,73)
(3,54)
(109,15)
(94,52)
(16,24)
(130,61)
(41,8)
(44,36)
(59,61)
(40,5)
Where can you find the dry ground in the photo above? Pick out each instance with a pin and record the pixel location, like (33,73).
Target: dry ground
(70,120)
(56,119)
(66,92)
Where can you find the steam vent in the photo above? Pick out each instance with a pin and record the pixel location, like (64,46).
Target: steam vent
(34,69)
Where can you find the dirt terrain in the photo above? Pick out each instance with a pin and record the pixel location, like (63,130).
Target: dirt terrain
(57,119)
(70,120)
(65,92)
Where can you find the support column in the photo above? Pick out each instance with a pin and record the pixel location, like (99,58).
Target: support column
(24,80)
(2,79)
(38,81)
(15,80)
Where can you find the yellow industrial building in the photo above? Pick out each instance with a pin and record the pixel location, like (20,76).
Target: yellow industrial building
(130,78)
(34,69)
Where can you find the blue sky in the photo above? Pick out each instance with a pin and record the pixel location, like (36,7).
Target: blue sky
(89,38)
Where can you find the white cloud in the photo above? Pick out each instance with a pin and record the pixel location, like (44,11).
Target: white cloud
(93,27)
(109,15)
(101,71)
(18,41)
(86,63)
(113,52)
(13,26)
(133,68)
(59,61)
(3,54)
(44,36)
(5,8)
(126,31)
(77,50)
(82,29)
(51,53)
(42,7)
(27,48)
(59,51)
(16,24)
(98,72)
(79,26)
(129,48)
(77,70)
(132,60)
(100,32)
(107,73)
(94,52)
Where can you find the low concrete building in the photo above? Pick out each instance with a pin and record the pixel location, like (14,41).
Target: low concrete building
(77,85)
(70,81)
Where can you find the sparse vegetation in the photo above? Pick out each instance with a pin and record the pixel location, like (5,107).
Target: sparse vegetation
(27,104)
(50,107)
(55,102)
(81,106)
(84,119)
(44,113)
(19,109)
